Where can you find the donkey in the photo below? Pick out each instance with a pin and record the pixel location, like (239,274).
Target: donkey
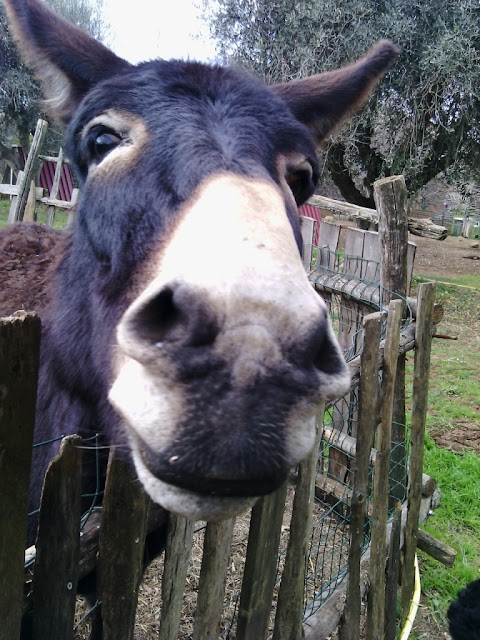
(177,318)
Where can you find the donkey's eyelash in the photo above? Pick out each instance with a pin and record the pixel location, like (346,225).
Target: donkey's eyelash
(98,142)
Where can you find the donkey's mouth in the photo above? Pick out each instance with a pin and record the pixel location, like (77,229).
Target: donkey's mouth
(221,487)
(190,504)
(210,483)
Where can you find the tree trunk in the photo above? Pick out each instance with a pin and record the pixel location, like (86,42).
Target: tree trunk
(342,179)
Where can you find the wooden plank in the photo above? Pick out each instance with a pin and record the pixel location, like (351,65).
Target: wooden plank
(261,566)
(58,544)
(60,204)
(29,214)
(393,574)
(370,217)
(367,423)
(12,190)
(350,210)
(436,548)
(213,575)
(122,537)
(24,183)
(177,556)
(391,200)
(328,237)
(354,239)
(376,595)
(421,374)
(53,159)
(371,256)
(14,201)
(289,616)
(55,187)
(71,211)
(307,228)
(19,360)
(325,487)
(411,252)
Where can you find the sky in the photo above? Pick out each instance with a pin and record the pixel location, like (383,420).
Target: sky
(157,29)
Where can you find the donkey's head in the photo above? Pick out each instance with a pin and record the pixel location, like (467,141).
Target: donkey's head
(217,349)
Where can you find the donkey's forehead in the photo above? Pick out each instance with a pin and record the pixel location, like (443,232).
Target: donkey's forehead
(186,96)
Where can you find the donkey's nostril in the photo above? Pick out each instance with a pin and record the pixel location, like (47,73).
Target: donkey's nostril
(158,318)
(320,349)
(175,314)
(328,358)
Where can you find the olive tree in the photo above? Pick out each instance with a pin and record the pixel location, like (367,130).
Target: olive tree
(424,117)
(20,95)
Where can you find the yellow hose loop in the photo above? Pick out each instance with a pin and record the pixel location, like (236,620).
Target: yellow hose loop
(413,605)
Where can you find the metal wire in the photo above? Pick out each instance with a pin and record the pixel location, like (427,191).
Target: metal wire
(351,288)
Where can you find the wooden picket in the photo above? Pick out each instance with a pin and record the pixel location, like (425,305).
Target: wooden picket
(58,545)
(19,361)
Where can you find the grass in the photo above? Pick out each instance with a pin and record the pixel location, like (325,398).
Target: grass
(59,222)
(465,280)
(454,403)
(4,208)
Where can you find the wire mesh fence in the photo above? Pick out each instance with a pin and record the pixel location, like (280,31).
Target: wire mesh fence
(349,296)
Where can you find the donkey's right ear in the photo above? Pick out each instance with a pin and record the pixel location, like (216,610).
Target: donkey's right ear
(67,61)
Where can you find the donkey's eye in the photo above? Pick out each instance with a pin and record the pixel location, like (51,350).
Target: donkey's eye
(300,180)
(101,141)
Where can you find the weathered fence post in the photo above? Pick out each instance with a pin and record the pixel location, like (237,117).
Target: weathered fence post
(121,545)
(393,574)
(261,566)
(307,228)
(19,359)
(211,588)
(55,188)
(421,373)
(376,594)
(391,197)
(17,211)
(29,213)
(58,545)
(289,616)
(367,424)
(177,556)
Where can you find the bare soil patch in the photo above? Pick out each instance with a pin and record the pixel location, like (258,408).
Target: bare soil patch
(450,258)
(447,258)
(464,437)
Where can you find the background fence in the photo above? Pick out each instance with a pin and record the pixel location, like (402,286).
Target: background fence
(306,546)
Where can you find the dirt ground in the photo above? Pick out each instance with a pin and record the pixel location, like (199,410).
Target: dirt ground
(447,258)
(451,258)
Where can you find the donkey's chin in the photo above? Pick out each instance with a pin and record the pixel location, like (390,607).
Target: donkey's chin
(187,503)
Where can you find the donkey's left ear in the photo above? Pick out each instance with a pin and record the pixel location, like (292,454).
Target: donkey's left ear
(324,100)
(67,61)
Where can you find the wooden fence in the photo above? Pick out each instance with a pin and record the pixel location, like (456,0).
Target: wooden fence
(366,498)
(25,195)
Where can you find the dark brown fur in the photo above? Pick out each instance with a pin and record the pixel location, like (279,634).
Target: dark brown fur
(30,253)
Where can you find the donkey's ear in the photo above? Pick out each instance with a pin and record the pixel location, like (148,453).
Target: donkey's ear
(67,61)
(322,101)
